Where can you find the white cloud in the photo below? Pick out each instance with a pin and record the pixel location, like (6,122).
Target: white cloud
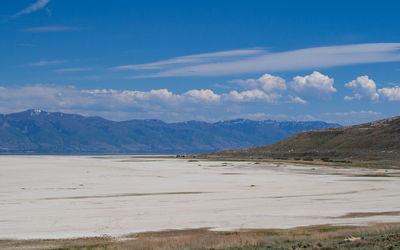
(99,91)
(267,82)
(197,104)
(254,61)
(251,96)
(38,5)
(269,87)
(161,94)
(203,95)
(313,85)
(296,99)
(140,97)
(51,29)
(128,104)
(363,89)
(348,98)
(391,94)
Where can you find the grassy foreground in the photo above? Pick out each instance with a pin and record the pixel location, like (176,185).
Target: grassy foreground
(379,236)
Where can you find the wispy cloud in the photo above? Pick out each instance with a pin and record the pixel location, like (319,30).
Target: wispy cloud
(258,60)
(52,29)
(194,59)
(38,5)
(46,63)
(71,69)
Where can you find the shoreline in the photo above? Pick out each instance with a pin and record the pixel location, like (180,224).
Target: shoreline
(204,238)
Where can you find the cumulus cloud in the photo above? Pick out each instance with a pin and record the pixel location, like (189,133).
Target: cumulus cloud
(259,60)
(135,97)
(38,5)
(296,99)
(203,95)
(271,88)
(251,96)
(313,85)
(363,89)
(266,82)
(127,104)
(391,94)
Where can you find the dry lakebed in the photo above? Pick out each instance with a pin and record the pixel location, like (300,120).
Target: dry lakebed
(54,197)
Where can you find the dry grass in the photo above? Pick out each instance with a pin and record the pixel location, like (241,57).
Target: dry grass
(312,237)
(55,243)
(369,214)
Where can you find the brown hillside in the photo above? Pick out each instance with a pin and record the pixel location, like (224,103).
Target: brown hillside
(379,139)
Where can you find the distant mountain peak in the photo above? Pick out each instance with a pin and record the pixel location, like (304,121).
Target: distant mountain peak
(37,112)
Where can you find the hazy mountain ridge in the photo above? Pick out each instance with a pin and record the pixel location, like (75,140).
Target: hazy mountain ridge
(36,131)
(378,139)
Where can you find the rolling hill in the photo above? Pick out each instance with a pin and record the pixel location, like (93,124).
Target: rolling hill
(379,139)
(40,132)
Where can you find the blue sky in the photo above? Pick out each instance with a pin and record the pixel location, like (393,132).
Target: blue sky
(336,61)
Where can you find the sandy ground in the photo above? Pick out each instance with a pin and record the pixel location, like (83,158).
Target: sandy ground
(76,196)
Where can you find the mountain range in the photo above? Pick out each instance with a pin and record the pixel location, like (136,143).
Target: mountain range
(41,132)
